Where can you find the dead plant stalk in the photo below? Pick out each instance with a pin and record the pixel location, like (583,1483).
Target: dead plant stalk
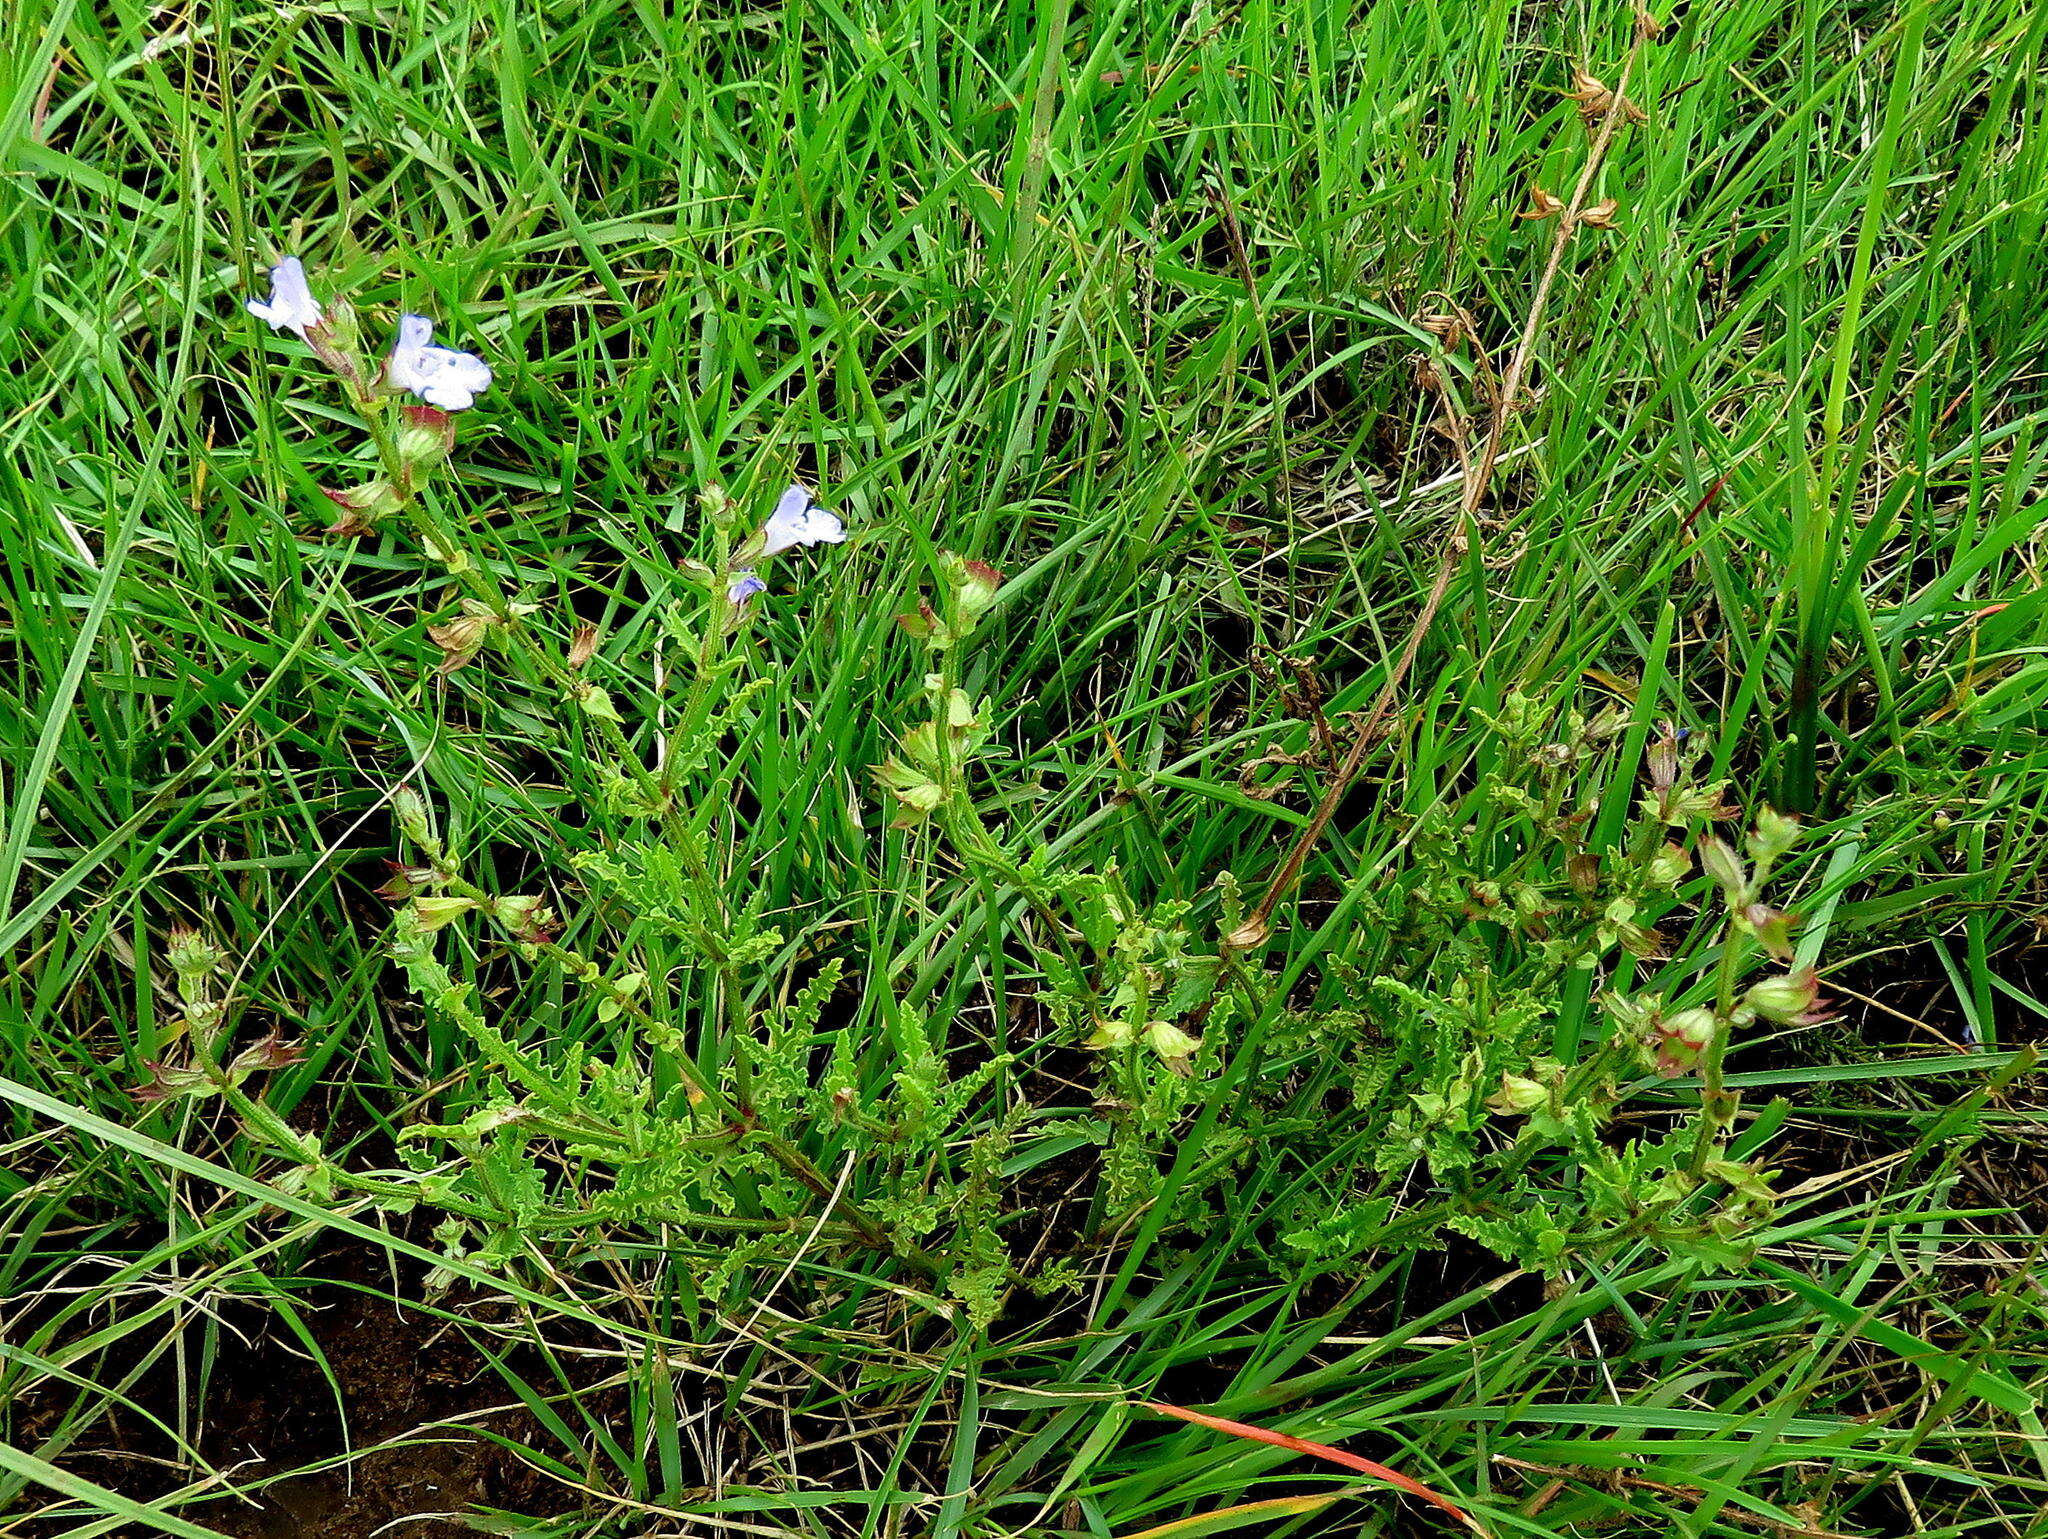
(1478,476)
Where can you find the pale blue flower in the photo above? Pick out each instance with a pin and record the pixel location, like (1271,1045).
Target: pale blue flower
(292,305)
(799,521)
(440,376)
(744,585)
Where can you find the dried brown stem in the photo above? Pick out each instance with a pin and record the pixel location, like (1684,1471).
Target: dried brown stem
(1478,477)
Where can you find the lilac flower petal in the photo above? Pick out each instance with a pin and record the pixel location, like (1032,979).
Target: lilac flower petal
(440,376)
(291,305)
(798,521)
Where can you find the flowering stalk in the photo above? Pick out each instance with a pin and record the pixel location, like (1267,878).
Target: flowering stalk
(927,776)
(409,445)
(196,964)
(723,617)
(1741,885)
(332,337)
(444,379)
(653,796)
(731,583)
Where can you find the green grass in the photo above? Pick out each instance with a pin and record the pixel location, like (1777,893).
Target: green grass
(1128,301)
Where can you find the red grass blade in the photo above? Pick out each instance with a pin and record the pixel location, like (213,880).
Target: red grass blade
(1350,1461)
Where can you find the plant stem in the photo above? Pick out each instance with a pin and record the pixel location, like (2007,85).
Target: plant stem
(1718,1104)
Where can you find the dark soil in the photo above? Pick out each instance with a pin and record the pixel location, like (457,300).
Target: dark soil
(397,1371)
(270,1408)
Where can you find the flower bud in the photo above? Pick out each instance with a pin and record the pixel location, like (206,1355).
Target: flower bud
(168,1084)
(426,437)
(1111,1031)
(1694,1027)
(1518,1096)
(272,1052)
(1725,867)
(1772,928)
(191,955)
(336,340)
(912,787)
(978,585)
(1690,804)
(406,881)
(410,809)
(1669,866)
(1773,836)
(462,638)
(1174,1046)
(920,622)
(1633,1016)
(972,586)
(1661,759)
(1786,999)
(433,913)
(1678,1040)
(363,506)
(339,322)
(528,918)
